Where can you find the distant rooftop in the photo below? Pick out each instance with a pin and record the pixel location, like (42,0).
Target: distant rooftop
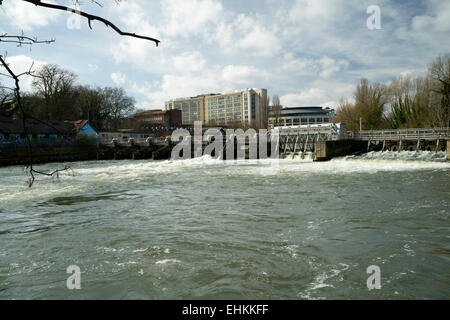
(213,94)
(304,111)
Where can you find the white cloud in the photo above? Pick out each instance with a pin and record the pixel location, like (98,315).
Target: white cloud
(324,67)
(245,34)
(93,67)
(176,86)
(261,41)
(322,93)
(319,12)
(189,17)
(331,66)
(118,78)
(240,75)
(300,66)
(307,51)
(215,79)
(305,97)
(141,54)
(25,16)
(189,62)
(135,17)
(437,17)
(20,64)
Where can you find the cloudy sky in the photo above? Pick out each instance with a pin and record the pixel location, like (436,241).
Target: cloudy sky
(309,52)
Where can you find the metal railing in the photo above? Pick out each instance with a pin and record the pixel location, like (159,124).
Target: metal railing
(404,134)
(133,141)
(328,131)
(22,143)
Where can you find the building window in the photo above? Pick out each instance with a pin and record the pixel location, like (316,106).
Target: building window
(253,106)
(237,100)
(319,120)
(304,120)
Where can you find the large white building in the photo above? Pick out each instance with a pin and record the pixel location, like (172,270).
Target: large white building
(300,116)
(246,107)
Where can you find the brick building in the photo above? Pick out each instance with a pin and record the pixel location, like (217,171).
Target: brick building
(165,118)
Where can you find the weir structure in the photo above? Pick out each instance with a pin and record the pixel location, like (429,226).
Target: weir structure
(327,141)
(322,141)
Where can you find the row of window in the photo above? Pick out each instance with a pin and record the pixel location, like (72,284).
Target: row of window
(297,121)
(225,109)
(240,106)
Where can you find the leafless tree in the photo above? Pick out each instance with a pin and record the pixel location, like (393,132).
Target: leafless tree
(117,104)
(439,73)
(369,106)
(276,108)
(22,40)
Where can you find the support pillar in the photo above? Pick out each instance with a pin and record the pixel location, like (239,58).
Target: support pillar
(448,150)
(306,145)
(285,145)
(295,146)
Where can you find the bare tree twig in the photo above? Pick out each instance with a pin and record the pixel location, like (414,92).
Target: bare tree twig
(24,40)
(8,88)
(21,40)
(32,171)
(90,18)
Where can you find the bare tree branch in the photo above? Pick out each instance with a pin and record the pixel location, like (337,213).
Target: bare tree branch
(90,18)
(32,171)
(22,40)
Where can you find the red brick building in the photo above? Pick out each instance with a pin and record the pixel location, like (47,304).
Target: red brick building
(166,118)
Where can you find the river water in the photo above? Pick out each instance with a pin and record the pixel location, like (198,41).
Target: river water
(207,229)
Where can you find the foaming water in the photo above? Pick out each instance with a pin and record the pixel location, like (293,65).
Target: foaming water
(404,156)
(205,228)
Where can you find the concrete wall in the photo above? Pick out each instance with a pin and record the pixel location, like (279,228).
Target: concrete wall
(48,154)
(326,150)
(448,150)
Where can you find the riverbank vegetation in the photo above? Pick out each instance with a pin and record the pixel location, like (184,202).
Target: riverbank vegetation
(56,95)
(406,102)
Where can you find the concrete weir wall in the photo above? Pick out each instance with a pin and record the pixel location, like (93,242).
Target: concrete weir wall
(448,150)
(21,156)
(326,150)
